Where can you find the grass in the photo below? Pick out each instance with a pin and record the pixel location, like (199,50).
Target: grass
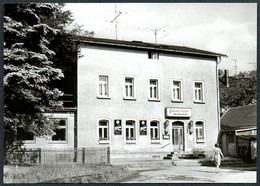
(76,173)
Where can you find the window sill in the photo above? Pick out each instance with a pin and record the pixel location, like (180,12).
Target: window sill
(200,141)
(199,102)
(99,97)
(29,141)
(154,100)
(58,142)
(103,141)
(130,141)
(130,99)
(177,101)
(155,141)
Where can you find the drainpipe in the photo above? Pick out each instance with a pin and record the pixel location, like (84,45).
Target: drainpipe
(218,99)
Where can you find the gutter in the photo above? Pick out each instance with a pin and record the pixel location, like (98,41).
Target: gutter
(218,99)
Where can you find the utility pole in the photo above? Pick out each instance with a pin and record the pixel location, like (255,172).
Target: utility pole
(235,66)
(116,16)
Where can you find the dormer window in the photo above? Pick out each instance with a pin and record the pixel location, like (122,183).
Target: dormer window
(153,55)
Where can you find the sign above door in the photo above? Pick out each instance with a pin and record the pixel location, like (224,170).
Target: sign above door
(178,112)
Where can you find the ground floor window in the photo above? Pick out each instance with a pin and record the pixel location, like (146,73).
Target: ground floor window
(154,130)
(60,130)
(103,130)
(25,135)
(200,131)
(130,133)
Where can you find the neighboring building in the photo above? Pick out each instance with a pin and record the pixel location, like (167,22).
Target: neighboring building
(140,99)
(238,135)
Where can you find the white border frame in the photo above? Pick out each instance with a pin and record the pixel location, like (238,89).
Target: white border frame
(97,83)
(109,131)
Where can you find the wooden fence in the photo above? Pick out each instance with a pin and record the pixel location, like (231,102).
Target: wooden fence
(88,155)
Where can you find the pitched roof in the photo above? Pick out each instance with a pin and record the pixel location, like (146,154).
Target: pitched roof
(147,46)
(239,118)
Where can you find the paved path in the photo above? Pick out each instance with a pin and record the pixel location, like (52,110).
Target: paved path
(192,174)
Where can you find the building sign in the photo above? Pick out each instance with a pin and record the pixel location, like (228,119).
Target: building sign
(143,127)
(118,127)
(246,132)
(178,112)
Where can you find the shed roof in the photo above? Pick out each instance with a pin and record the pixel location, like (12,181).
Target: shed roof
(239,118)
(148,46)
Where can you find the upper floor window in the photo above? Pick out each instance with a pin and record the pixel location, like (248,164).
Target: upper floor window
(130,131)
(200,131)
(129,92)
(153,55)
(60,130)
(154,89)
(103,130)
(176,90)
(198,92)
(154,130)
(103,86)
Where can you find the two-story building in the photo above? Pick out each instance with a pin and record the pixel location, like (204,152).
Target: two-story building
(139,99)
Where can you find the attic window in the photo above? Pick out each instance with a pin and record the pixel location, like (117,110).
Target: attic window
(153,55)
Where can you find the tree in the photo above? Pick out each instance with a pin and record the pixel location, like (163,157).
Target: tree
(30,66)
(242,90)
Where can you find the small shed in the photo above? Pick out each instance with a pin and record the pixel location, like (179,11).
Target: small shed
(238,134)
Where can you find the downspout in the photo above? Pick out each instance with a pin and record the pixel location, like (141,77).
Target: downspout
(218,99)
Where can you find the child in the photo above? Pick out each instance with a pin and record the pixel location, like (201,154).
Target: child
(216,155)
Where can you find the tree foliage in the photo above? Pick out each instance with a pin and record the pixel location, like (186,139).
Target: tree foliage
(242,90)
(34,36)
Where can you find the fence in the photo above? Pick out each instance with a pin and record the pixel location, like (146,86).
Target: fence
(88,155)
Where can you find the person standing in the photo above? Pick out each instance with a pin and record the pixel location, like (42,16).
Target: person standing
(216,156)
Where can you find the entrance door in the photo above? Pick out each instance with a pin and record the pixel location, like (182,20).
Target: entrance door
(177,136)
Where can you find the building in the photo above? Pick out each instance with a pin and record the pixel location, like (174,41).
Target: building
(139,99)
(238,135)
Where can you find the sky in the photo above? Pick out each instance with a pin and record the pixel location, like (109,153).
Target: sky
(226,28)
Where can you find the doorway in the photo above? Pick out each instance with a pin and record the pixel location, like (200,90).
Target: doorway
(178,135)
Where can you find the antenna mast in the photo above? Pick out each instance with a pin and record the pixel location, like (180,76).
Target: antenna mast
(156,30)
(116,16)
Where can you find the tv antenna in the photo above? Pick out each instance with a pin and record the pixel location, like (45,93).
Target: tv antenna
(114,20)
(155,30)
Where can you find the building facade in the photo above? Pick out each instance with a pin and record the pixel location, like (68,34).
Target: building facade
(142,98)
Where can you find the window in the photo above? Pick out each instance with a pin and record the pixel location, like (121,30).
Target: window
(60,130)
(129,88)
(198,92)
(199,129)
(130,131)
(103,130)
(154,130)
(25,135)
(154,89)
(176,90)
(153,55)
(103,86)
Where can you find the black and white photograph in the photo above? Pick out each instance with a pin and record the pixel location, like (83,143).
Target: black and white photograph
(116,92)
